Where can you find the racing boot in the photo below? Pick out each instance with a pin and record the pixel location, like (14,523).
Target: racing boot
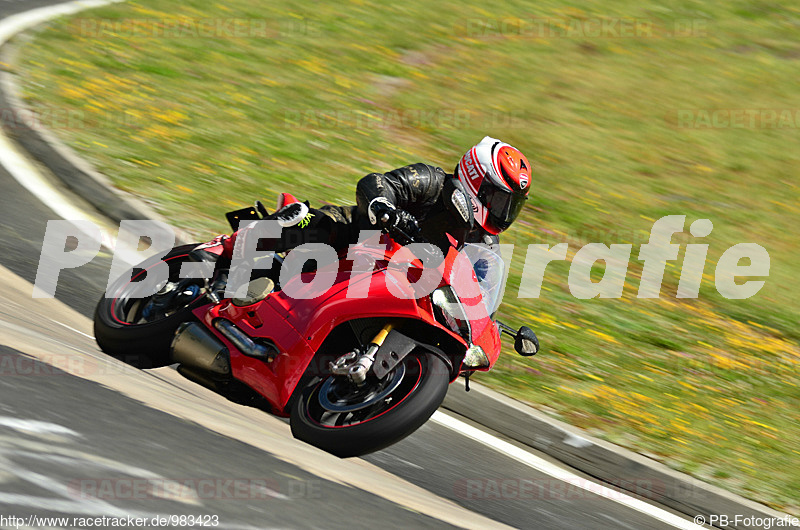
(290,212)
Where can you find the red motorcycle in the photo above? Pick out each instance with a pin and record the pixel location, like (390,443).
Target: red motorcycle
(355,373)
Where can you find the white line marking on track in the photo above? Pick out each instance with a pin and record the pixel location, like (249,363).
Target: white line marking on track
(35,426)
(561,474)
(72,329)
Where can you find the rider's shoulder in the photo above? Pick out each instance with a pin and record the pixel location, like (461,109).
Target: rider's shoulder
(421,169)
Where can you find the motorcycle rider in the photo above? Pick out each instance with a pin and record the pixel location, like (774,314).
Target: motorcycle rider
(483,196)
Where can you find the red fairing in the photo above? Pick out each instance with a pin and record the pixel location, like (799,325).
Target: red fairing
(300,317)
(276,380)
(317,320)
(299,326)
(489,339)
(484,330)
(384,292)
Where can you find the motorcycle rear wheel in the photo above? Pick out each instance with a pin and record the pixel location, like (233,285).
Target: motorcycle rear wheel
(139,331)
(410,403)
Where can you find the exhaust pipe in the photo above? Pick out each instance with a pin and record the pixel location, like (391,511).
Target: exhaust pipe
(246,345)
(198,350)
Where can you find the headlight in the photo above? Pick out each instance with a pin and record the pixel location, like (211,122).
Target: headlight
(476,357)
(450,312)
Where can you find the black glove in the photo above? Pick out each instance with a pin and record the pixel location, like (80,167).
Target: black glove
(405,229)
(400,224)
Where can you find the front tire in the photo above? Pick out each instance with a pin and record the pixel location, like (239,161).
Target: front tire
(416,397)
(139,331)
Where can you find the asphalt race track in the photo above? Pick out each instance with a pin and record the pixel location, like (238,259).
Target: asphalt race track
(80,432)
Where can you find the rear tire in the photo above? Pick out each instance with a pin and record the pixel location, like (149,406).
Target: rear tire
(121,326)
(417,397)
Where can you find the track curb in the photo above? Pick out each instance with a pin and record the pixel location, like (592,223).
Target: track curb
(40,144)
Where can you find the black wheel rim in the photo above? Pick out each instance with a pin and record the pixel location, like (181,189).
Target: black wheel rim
(337,394)
(173,296)
(336,419)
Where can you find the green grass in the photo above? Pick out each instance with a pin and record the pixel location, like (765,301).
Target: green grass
(709,386)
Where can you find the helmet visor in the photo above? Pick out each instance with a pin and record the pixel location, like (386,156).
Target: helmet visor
(502,206)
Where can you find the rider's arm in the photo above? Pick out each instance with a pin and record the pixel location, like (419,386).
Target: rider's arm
(413,188)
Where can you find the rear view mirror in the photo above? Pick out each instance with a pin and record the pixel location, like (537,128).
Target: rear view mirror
(526,343)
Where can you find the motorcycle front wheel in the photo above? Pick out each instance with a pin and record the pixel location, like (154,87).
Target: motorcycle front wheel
(340,418)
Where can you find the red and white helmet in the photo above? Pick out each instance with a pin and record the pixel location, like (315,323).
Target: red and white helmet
(498,178)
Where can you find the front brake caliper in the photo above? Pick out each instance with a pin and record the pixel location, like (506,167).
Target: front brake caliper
(341,366)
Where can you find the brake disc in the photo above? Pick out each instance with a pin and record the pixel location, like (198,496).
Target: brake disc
(357,399)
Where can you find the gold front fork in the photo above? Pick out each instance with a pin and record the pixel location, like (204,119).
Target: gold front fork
(358,372)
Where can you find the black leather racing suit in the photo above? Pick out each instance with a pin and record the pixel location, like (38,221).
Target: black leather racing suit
(416,188)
